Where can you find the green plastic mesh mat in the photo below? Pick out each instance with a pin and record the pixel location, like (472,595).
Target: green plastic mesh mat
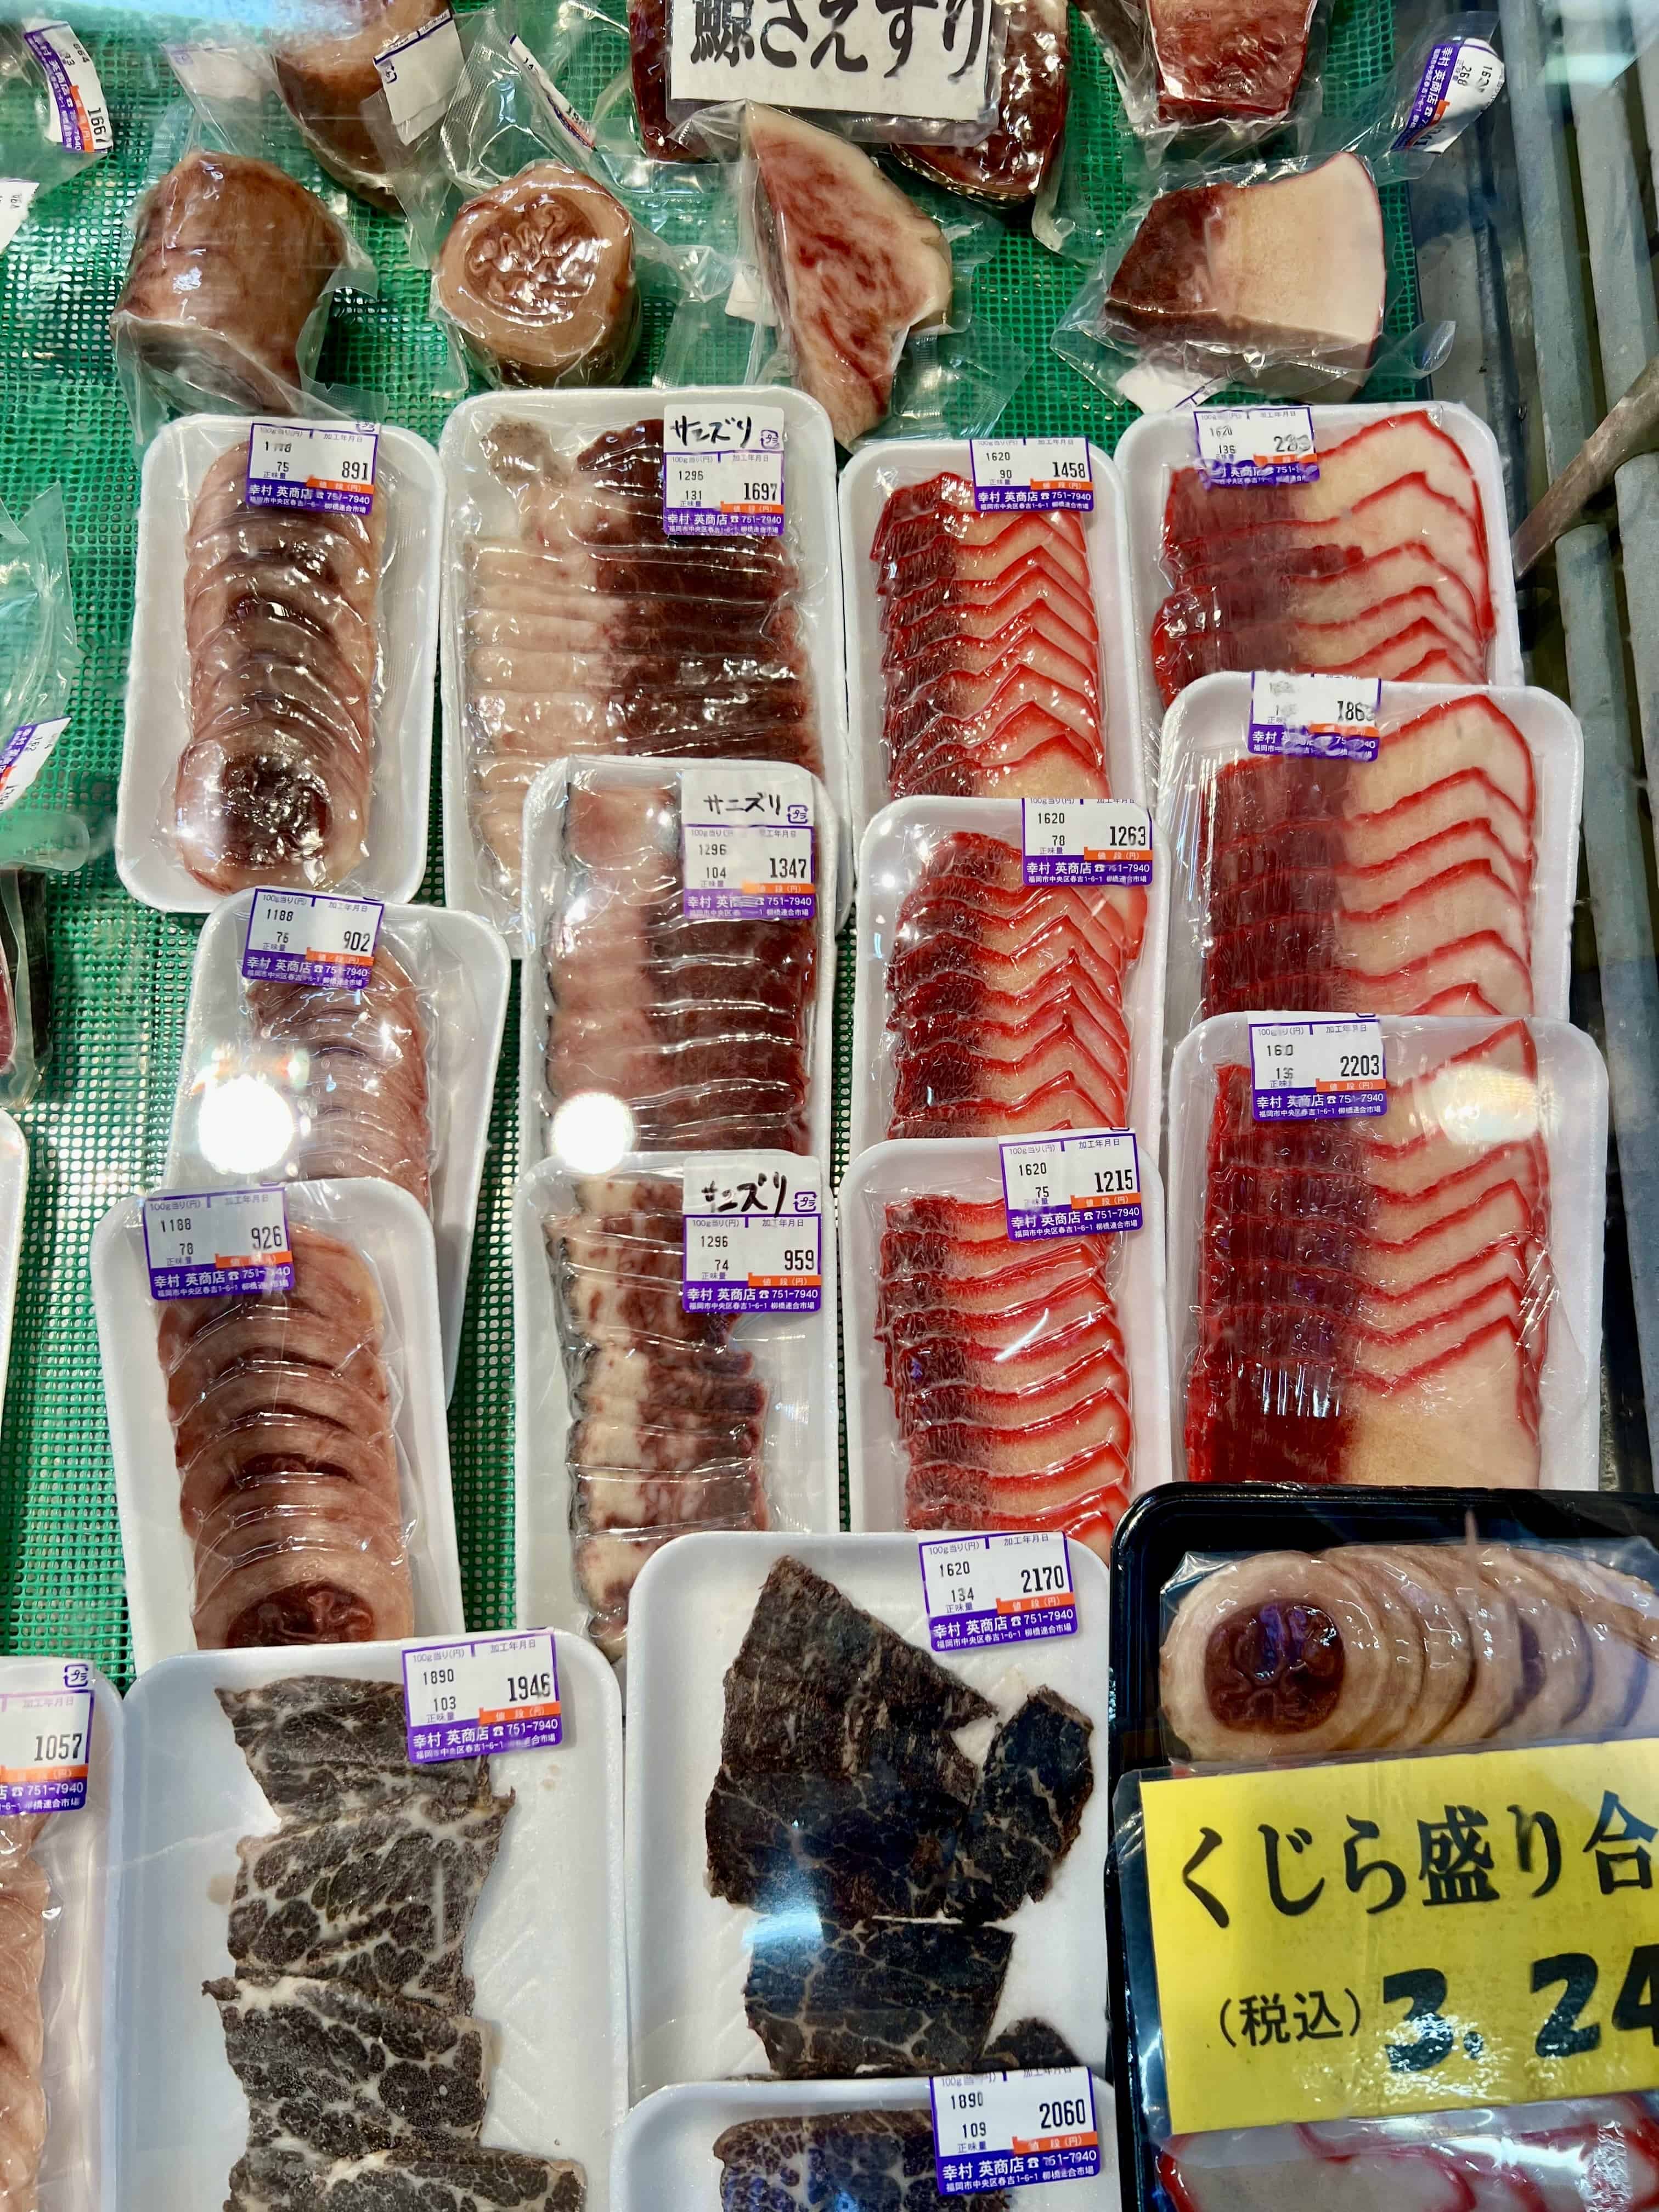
(99,1128)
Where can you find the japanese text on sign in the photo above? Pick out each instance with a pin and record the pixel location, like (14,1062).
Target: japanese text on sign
(920,58)
(486,1693)
(746,845)
(1011,474)
(754,1235)
(1014,1587)
(1406,1936)
(45,1738)
(1096,841)
(1327,1067)
(217,1243)
(321,467)
(1082,1184)
(722,472)
(1255,445)
(1326,717)
(996,2132)
(26,752)
(308,937)
(1460,77)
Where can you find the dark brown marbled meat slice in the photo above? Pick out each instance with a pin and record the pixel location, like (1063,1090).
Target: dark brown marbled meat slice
(319,1745)
(856,1846)
(882,1996)
(1037,1779)
(456,2179)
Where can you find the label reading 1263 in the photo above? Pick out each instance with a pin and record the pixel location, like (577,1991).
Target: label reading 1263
(746,848)
(1255,445)
(1322,1068)
(217,1243)
(754,1235)
(1013,475)
(325,467)
(307,937)
(1009,1589)
(482,1694)
(722,472)
(1085,841)
(1320,717)
(1082,1184)
(998,2131)
(45,1738)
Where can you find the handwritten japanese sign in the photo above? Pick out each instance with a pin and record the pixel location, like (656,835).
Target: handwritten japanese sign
(1406,1936)
(754,1235)
(746,845)
(920,57)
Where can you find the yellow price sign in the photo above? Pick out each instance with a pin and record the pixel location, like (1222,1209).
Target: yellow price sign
(1406,1936)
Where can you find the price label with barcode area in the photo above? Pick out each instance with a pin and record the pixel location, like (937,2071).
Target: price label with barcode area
(46,1736)
(481,1693)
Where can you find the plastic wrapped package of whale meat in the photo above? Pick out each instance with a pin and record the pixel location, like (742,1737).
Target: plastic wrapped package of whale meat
(25,985)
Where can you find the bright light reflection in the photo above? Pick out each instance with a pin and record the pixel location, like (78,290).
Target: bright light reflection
(1483,1105)
(245,1124)
(592,1131)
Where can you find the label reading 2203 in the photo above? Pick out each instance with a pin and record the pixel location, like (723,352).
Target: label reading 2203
(997,2131)
(217,1243)
(1322,1068)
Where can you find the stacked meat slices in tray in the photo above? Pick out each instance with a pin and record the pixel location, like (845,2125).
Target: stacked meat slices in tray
(1378,567)
(1375,1296)
(991,653)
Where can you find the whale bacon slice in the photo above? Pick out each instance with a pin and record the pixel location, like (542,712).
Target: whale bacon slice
(990,664)
(1374,1296)
(1377,566)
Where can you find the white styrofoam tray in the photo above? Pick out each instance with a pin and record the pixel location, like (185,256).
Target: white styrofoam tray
(886,465)
(460,967)
(545,865)
(478,504)
(80,1854)
(392,1231)
(897,846)
(1572,1097)
(687,1950)
(970,1168)
(158,672)
(794,1353)
(13,1196)
(545,1950)
(665,2156)
(1208,728)
(1155,445)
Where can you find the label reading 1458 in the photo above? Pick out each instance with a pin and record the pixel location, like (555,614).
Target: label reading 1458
(1007,1589)
(485,1693)
(1013,475)
(997,2131)
(1324,1067)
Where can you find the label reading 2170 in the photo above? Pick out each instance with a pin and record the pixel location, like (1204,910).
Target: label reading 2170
(1011,1587)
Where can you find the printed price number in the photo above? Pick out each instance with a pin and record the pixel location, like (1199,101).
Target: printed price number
(1061,1186)
(493,1693)
(1054,822)
(1005,2130)
(202,1244)
(45,1737)
(1018,1584)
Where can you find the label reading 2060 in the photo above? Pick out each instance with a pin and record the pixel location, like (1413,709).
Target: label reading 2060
(996,2132)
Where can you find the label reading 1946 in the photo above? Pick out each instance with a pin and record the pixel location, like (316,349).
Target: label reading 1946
(45,1737)
(1255,445)
(217,1243)
(1086,841)
(1325,1067)
(722,472)
(1008,1588)
(481,1694)
(1082,1184)
(324,467)
(1013,475)
(997,2131)
(754,1235)
(308,937)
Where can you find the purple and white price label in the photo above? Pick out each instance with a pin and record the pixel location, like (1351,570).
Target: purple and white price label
(722,472)
(418,73)
(46,1736)
(324,467)
(997,2131)
(1255,445)
(308,937)
(1010,1589)
(1088,842)
(26,752)
(481,1694)
(1315,717)
(754,1235)
(217,1243)
(747,844)
(1325,1067)
(1013,475)
(1460,77)
(1082,1184)
(78,120)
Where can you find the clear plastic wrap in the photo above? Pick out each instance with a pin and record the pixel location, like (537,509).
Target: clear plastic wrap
(1438,878)
(279,693)
(985,1007)
(1210,80)
(328,1993)
(281,1082)
(648,1028)
(1402,1299)
(992,1384)
(806,1784)
(576,627)
(1408,1647)
(637,1422)
(54,813)
(282,1468)
(327,73)
(54,115)
(1009,168)
(25,985)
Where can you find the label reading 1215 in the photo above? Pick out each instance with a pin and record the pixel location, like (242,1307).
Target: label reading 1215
(1086,841)
(1007,1589)
(308,937)
(1324,1067)
(1014,475)
(324,467)
(1085,1183)
(482,1694)
(999,2131)
(1255,445)
(217,1243)
(45,1737)
(754,1235)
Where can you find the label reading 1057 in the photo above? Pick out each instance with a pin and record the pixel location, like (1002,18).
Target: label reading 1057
(486,1693)
(217,1243)
(1323,1068)
(997,2131)
(45,1737)
(1007,1589)
(1255,445)
(754,1235)
(308,937)
(1082,1184)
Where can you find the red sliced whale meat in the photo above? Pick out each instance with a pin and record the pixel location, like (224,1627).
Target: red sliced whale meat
(991,659)
(1401,885)
(1223,60)
(1374,1295)
(1005,999)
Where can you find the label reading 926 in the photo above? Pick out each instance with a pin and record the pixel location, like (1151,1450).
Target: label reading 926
(1014,1587)
(45,1737)
(1082,1184)
(1255,445)
(217,1243)
(1322,1068)
(308,937)
(998,2131)
(323,467)
(481,1694)
(754,1235)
